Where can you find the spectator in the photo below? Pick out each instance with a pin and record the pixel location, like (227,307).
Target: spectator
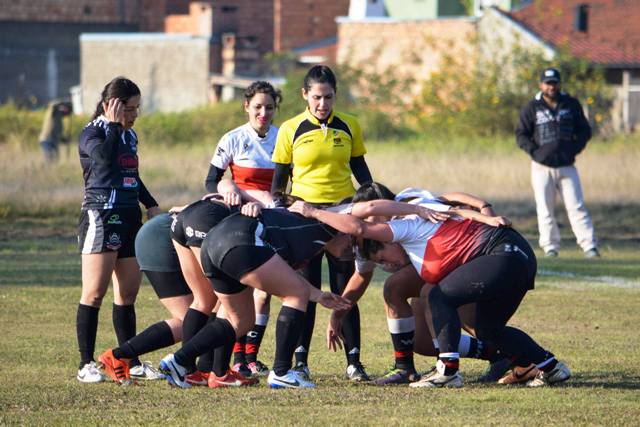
(52,133)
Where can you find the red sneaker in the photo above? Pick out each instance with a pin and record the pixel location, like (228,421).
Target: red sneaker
(117,369)
(198,378)
(231,379)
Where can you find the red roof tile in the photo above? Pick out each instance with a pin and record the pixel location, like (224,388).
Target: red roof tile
(612,36)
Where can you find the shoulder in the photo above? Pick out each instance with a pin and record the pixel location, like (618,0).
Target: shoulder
(293,122)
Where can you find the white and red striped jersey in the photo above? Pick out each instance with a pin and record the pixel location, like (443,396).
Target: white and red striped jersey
(248,155)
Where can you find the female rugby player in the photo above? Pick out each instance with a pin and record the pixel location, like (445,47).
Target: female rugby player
(110,218)
(319,150)
(242,253)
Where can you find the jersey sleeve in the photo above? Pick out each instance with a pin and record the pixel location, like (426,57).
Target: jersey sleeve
(406,229)
(283,151)
(224,153)
(357,146)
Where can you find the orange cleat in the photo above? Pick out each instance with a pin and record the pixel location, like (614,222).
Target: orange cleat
(116,369)
(231,379)
(519,375)
(198,378)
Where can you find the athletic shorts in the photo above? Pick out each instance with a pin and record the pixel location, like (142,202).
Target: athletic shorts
(232,249)
(168,284)
(192,224)
(508,242)
(109,230)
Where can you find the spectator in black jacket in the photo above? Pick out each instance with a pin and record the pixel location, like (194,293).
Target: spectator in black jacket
(553,130)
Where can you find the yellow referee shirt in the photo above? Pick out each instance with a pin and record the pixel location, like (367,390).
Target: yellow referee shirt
(320,155)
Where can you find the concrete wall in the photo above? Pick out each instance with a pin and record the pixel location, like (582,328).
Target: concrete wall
(172,71)
(410,48)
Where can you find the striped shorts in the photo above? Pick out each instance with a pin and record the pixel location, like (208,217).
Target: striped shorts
(109,230)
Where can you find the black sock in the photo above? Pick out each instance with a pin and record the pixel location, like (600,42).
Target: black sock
(351,333)
(239,349)
(205,361)
(402,336)
(210,337)
(222,356)
(193,321)
(124,323)
(450,363)
(288,329)
(86,330)
(153,338)
(304,340)
(254,339)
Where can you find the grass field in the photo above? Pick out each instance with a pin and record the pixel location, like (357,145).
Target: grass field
(586,311)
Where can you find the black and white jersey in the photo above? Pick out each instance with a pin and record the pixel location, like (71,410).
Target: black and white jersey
(109,160)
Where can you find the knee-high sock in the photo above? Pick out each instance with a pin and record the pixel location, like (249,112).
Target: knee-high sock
(205,361)
(304,340)
(86,330)
(193,321)
(153,338)
(254,338)
(288,329)
(209,338)
(402,336)
(124,323)
(351,333)
(222,357)
(239,349)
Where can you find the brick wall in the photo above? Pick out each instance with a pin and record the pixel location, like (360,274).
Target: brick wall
(300,22)
(410,48)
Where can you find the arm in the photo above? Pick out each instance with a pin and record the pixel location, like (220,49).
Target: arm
(389,208)
(469,200)
(280,180)
(360,170)
(524,131)
(102,151)
(213,178)
(145,196)
(494,221)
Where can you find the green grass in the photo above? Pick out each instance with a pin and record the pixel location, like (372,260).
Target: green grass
(587,322)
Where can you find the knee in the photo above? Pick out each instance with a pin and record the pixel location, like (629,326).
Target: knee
(92,297)
(203,306)
(391,293)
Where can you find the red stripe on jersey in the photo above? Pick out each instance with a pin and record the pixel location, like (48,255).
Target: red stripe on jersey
(452,245)
(252,178)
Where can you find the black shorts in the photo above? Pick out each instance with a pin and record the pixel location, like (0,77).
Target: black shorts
(109,230)
(168,284)
(231,250)
(192,224)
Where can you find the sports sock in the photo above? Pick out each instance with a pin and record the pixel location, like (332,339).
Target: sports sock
(402,335)
(254,338)
(288,329)
(205,361)
(210,337)
(153,338)
(448,363)
(193,321)
(548,364)
(351,333)
(239,349)
(124,323)
(222,357)
(304,341)
(86,330)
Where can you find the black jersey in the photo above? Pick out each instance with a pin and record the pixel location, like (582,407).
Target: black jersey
(109,160)
(295,238)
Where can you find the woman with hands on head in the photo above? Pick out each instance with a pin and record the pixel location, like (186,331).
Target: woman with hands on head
(468,258)
(110,219)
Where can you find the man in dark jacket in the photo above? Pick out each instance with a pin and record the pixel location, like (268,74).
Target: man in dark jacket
(553,130)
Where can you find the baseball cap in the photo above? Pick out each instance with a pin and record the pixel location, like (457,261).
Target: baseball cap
(550,75)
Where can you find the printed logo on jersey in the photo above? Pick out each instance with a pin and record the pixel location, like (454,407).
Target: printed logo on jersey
(220,151)
(173,223)
(305,141)
(114,243)
(128,161)
(199,234)
(337,141)
(129,182)
(114,220)
(189,232)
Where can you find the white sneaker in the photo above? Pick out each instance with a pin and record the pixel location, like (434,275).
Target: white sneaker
(292,379)
(173,372)
(438,380)
(90,374)
(557,375)
(145,371)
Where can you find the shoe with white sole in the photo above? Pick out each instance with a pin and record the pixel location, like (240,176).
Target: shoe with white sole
(557,375)
(174,373)
(303,369)
(90,374)
(258,369)
(438,380)
(292,379)
(357,373)
(231,379)
(145,371)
